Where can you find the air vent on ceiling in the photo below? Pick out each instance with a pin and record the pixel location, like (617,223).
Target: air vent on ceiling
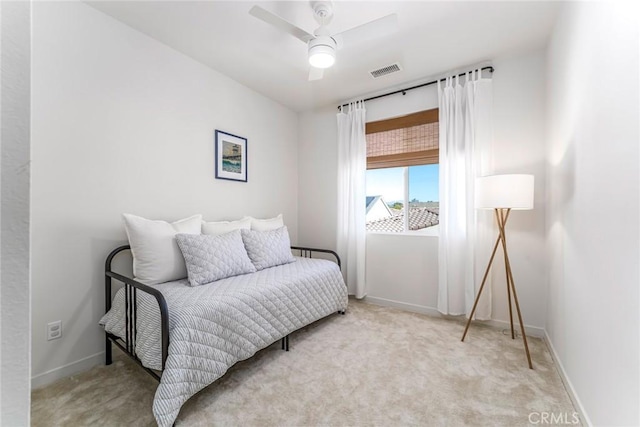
(388,69)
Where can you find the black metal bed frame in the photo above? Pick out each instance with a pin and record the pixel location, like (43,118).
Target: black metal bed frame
(128,344)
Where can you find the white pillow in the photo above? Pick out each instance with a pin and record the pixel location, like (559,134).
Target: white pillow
(211,258)
(267,224)
(268,248)
(217,228)
(156,255)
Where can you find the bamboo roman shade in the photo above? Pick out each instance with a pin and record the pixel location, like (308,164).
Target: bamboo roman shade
(403,141)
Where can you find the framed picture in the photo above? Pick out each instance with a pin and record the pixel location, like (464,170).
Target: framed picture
(231,156)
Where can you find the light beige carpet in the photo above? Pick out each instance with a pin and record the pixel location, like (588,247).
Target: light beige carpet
(374,366)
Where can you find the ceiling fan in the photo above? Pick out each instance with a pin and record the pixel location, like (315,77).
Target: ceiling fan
(322,45)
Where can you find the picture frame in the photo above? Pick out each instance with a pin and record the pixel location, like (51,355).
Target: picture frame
(230,156)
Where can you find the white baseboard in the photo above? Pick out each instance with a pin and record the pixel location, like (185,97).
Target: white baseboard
(533,331)
(67,370)
(584,418)
(414,308)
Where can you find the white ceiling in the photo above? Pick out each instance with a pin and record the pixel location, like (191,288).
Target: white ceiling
(434,37)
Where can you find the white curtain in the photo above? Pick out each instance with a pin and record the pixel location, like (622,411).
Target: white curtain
(466,234)
(352,166)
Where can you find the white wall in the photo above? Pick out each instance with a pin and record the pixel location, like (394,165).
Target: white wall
(593,207)
(402,270)
(122,123)
(317,178)
(519,118)
(15,359)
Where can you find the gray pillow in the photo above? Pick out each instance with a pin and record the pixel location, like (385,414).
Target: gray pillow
(211,258)
(268,248)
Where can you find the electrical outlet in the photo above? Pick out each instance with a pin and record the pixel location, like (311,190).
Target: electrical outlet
(54,330)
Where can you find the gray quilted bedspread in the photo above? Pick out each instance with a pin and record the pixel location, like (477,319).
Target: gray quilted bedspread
(213,326)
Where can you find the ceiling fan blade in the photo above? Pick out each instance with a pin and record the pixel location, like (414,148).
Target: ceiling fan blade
(280,23)
(315,73)
(371,30)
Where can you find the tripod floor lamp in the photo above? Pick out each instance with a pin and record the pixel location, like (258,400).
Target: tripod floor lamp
(504,193)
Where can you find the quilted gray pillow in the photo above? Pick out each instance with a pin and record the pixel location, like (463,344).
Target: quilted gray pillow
(268,248)
(211,258)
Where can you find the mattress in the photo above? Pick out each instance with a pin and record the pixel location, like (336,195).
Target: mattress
(213,326)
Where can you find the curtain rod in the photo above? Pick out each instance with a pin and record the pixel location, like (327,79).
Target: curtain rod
(404,91)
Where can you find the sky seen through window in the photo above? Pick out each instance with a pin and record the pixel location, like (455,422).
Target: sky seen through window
(388,183)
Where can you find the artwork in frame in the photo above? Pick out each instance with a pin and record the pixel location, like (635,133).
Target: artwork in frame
(231,156)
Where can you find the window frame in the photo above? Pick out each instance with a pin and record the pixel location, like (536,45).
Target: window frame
(404,160)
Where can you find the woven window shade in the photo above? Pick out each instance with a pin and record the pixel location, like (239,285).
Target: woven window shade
(403,141)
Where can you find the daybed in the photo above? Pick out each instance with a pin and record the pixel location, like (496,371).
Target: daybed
(188,336)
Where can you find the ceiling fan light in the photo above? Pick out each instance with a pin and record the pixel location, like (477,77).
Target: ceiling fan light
(322,56)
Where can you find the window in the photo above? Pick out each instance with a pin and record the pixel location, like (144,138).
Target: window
(402,171)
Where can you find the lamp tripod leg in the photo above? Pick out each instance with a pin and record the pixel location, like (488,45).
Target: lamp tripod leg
(511,283)
(513,334)
(484,280)
(502,221)
(524,334)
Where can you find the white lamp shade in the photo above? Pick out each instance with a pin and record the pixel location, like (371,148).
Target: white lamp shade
(504,191)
